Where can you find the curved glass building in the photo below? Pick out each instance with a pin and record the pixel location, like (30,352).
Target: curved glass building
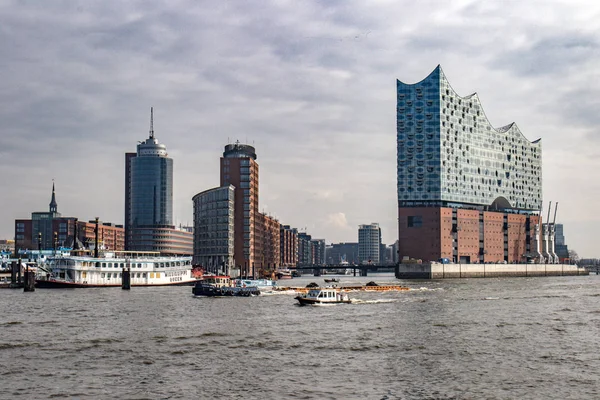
(149,201)
(451,159)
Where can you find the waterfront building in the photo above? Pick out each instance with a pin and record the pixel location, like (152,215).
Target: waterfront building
(149,200)
(288,244)
(51,231)
(214,230)
(268,244)
(339,253)
(369,243)
(467,191)
(240,169)
(305,250)
(560,245)
(318,246)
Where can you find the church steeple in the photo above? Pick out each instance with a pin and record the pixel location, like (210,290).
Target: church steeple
(53,205)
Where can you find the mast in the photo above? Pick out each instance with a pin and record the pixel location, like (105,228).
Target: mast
(151,122)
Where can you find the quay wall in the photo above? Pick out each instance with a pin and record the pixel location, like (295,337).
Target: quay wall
(452,271)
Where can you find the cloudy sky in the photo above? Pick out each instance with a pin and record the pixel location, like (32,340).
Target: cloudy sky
(310,83)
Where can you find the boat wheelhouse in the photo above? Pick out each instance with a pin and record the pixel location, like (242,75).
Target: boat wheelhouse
(318,296)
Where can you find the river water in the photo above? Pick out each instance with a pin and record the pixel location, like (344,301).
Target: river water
(520,338)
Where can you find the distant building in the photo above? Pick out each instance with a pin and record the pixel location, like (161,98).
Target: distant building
(149,201)
(560,245)
(467,191)
(50,230)
(288,244)
(214,230)
(268,244)
(369,243)
(395,258)
(305,251)
(339,253)
(383,254)
(318,246)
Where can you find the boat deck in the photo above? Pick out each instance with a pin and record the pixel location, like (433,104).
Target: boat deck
(380,288)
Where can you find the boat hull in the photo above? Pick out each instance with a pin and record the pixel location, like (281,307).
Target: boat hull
(227,291)
(53,284)
(308,301)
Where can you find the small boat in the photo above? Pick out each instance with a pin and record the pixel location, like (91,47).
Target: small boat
(323,296)
(222,286)
(284,274)
(332,280)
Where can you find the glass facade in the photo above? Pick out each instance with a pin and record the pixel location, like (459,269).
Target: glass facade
(214,229)
(151,191)
(449,153)
(369,243)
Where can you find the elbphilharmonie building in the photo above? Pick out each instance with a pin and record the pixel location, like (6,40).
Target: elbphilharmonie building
(467,191)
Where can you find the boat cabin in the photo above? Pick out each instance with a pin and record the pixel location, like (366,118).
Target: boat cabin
(217,280)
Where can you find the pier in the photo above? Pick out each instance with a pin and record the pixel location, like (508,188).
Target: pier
(452,271)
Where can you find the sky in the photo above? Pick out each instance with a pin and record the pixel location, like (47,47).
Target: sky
(311,84)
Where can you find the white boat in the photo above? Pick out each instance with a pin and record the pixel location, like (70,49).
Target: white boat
(264,285)
(145,268)
(323,296)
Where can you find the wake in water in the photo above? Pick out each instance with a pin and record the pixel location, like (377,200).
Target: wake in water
(375,301)
(425,289)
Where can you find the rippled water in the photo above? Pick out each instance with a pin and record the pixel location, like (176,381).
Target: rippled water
(522,338)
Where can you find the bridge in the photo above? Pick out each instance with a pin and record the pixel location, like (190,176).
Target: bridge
(362,269)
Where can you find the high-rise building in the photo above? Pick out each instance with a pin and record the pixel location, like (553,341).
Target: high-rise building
(240,169)
(467,191)
(369,243)
(149,200)
(214,230)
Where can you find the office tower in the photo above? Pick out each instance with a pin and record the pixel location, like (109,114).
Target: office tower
(240,169)
(369,243)
(467,191)
(214,230)
(149,200)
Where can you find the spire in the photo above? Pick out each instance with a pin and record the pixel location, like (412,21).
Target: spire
(53,205)
(151,122)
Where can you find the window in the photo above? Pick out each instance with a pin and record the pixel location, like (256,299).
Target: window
(415,221)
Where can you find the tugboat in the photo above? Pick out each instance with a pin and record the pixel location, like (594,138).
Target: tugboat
(221,286)
(323,296)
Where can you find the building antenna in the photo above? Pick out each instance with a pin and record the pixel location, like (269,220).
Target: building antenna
(151,122)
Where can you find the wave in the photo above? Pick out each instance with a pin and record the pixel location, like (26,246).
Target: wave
(375,301)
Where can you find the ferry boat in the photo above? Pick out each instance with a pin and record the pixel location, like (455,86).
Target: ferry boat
(146,269)
(323,296)
(222,286)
